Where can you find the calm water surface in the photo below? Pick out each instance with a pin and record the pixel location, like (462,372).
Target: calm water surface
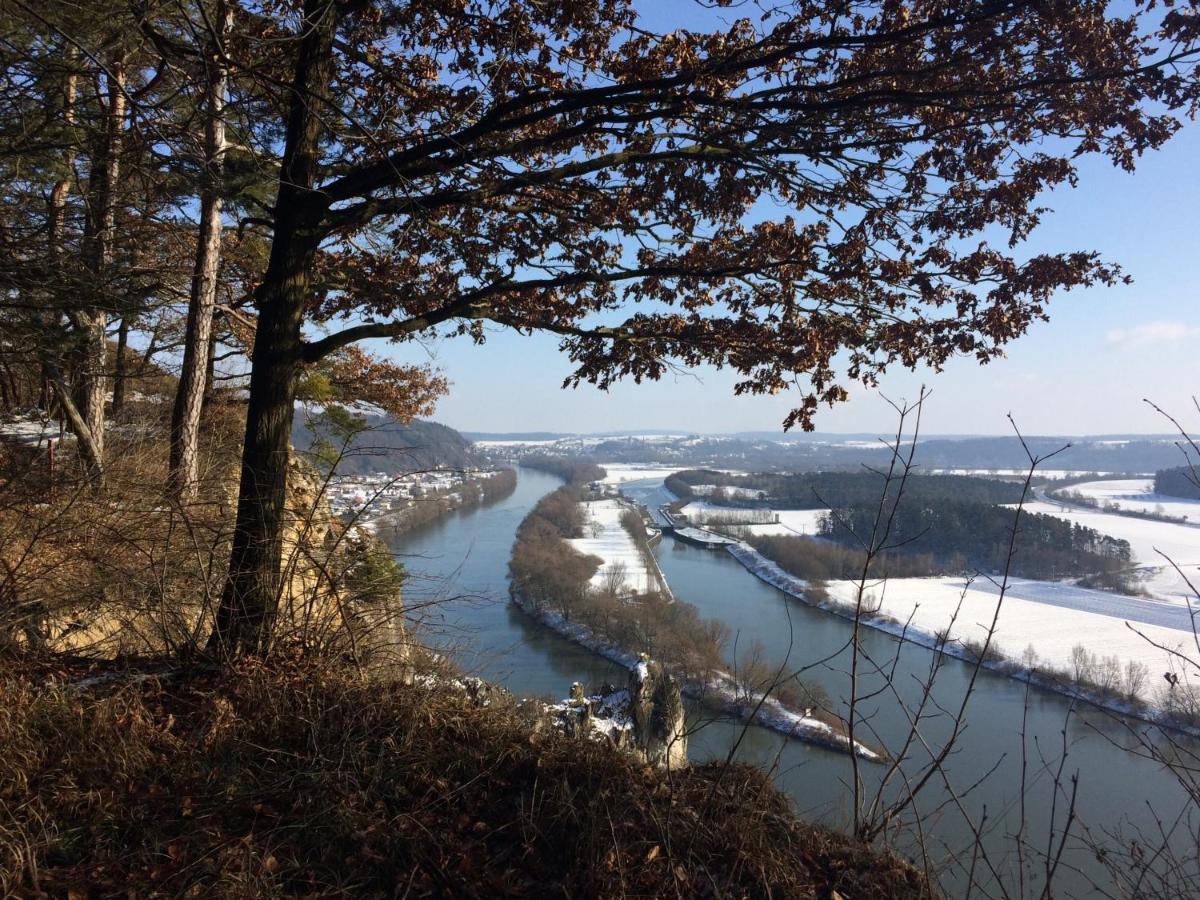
(458,594)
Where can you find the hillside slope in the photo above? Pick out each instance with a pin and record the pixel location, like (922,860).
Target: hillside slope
(305,780)
(395,449)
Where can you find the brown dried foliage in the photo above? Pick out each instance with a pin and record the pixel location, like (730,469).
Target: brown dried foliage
(299,781)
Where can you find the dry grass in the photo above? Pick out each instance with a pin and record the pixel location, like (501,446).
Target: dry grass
(302,780)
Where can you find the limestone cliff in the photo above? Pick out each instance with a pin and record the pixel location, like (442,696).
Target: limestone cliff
(646,718)
(338,587)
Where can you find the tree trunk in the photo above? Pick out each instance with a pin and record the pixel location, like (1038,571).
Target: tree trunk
(184,466)
(210,368)
(250,600)
(91,453)
(120,368)
(106,170)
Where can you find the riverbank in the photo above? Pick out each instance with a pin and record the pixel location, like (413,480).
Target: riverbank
(770,572)
(720,692)
(469,494)
(554,581)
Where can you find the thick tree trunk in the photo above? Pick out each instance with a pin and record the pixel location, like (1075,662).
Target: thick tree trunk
(93,322)
(184,466)
(250,600)
(90,451)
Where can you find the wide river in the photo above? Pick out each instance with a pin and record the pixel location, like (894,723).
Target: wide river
(458,597)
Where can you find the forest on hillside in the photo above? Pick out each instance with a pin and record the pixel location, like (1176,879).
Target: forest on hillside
(1181,481)
(821,490)
(394,448)
(942,524)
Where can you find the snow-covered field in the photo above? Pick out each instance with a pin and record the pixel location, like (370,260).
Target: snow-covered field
(1049,616)
(1033,615)
(1149,540)
(607,538)
(618,473)
(790,521)
(793,521)
(707,490)
(1137,495)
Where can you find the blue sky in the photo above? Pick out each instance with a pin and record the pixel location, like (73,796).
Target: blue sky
(1086,371)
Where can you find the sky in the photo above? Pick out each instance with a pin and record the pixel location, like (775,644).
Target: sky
(1086,371)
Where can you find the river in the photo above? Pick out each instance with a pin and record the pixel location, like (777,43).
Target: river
(457,594)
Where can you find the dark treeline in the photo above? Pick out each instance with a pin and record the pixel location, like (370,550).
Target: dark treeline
(1182,481)
(952,539)
(816,561)
(966,536)
(818,490)
(943,524)
(572,471)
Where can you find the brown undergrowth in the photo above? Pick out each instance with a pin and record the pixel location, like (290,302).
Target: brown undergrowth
(299,779)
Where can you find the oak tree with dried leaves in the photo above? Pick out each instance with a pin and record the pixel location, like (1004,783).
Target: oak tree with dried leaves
(804,192)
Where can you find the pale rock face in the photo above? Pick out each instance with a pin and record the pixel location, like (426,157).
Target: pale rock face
(659,730)
(315,555)
(645,719)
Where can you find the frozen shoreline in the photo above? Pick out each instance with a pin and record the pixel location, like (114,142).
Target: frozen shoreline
(768,571)
(720,692)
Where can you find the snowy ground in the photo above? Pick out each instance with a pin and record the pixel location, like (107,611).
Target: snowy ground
(1037,614)
(30,429)
(1149,540)
(617,473)
(793,521)
(706,490)
(1137,495)
(790,521)
(607,538)
(1049,616)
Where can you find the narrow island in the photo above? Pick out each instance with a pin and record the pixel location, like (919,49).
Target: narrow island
(582,566)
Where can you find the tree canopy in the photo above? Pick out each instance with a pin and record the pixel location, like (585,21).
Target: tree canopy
(806,193)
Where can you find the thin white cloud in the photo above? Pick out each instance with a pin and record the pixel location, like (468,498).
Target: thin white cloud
(1152,334)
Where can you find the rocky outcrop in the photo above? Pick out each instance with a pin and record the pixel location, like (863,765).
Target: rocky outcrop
(339,588)
(657,708)
(645,719)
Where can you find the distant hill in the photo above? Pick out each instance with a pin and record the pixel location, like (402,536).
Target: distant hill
(394,449)
(824,452)
(515,435)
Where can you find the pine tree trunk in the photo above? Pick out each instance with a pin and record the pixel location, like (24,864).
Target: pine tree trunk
(210,368)
(102,224)
(184,466)
(250,600)
(52,380)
